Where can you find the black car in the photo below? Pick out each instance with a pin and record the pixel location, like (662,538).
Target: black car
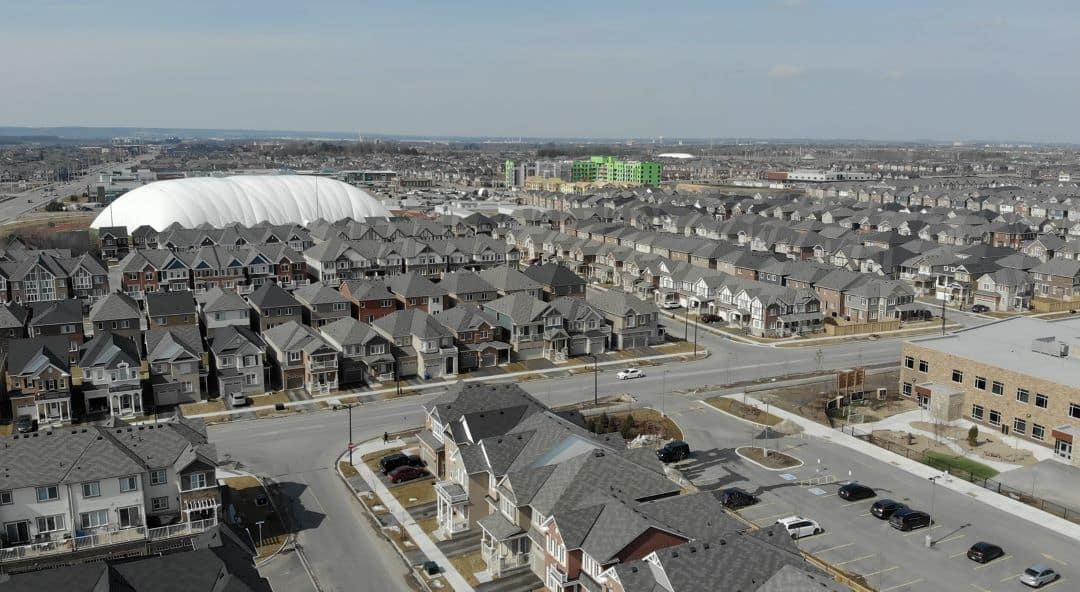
(673,451)
(980,308)
(907,519)
(983,552)
(24,424)
(392,461)
(736,498)
(854,492)
(884,508)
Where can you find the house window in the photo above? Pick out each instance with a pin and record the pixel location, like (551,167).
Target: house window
(995,417)
(91,489)
(95,519)
(129,483)
(48,493)
(159,504)
(195,481)
(997,388)
(1041,400)
(129,517)
(907,389)
(50,523)
(977,412)
(924,366)
(377,349)
(1019,426)
(294,356)
(1074,411)
(980,383)
(1038,432)
(159,477)
(958,376)
(6,498)
(1022,395)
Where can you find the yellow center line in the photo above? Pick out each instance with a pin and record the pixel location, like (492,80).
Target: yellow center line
(856,559)
(886,570)
(834,548)
(994,562)
(901,585)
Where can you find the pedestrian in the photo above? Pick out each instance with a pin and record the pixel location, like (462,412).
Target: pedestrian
(385,437)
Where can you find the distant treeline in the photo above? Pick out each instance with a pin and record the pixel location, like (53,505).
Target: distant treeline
(552,150)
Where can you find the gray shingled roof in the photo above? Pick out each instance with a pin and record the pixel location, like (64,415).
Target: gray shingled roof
(520,307)
(170,303)
(508,280)
(217,300)
(114,307)
(271,296)
(554,275)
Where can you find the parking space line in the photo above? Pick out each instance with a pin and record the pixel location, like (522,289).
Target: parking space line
(914,532)
(770,518)
(833,548)
(854,560)
(1054,583)
(989,563)
(950,539)
(879,572)
(901,585)
(1012,577)
(955,555)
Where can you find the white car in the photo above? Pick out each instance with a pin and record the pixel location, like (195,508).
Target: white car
(629,373)
(237,399)
(799,527)
(670,305)
(1038,576)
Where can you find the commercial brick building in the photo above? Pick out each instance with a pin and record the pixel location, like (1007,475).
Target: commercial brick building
(1019,377)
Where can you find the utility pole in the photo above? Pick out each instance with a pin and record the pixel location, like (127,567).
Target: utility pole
(695,335)
(595,381)
(930,532)
(943,314)
(349,407)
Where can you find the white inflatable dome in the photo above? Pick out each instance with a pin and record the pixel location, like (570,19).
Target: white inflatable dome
(247,200)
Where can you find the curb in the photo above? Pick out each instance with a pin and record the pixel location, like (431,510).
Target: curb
(290,538)
(750,460)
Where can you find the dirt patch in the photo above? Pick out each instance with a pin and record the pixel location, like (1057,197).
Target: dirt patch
(211,406)
(769,458)
(348,470)
(645,421)
(252,503)
(988,446)
(468,564)
(743,410)
(428,525)
(414,493)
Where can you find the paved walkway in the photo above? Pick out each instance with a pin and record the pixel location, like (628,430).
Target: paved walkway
(1001,502)
(404,518)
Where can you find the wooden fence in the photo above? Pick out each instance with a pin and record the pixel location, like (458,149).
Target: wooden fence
(861,328)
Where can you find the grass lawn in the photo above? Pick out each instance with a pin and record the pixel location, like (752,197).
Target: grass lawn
(347,469)
(428,525)
(414,493)
(6,428)
(371,459)
(960,464)
(743,411)
(203,407)
(243,492)
(468,564)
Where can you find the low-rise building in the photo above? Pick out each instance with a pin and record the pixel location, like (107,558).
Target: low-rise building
(321,304)
(634,322)
(273,306)
(38,378)
(301,358)
(370,299)
(222,308)
(238,355)
(111,376)
(365,356)
(171,309)
(422,346)
(178,364)
(120,314)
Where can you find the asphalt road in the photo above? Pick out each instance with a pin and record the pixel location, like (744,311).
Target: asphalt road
(23,202)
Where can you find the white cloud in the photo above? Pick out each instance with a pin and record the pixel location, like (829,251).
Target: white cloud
(786,71)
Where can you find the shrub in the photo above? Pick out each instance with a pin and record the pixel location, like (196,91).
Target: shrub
(973,435)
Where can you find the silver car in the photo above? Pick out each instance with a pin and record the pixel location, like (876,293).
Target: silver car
(1038,575)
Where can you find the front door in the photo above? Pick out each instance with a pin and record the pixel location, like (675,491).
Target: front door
(449,365)
(129,517)
(1063,449)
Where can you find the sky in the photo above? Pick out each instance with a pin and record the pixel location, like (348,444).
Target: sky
(866,69)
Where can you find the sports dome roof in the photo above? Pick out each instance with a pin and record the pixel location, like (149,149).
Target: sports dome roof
(247,200)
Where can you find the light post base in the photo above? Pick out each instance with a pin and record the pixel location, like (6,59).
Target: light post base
(929,541)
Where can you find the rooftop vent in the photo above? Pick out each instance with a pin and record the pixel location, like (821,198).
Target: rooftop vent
(1050,346)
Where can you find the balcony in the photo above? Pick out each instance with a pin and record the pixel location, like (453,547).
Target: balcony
(104,538)
(324,364)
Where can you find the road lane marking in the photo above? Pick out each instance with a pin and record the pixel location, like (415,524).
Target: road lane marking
(950,539)
(879,572)
(834,548)
(994,562)
(1012,577)
(901,585)
(1054,559)
(856,559)
(914,532)
(955,555)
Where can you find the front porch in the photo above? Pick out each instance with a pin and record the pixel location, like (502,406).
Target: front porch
(452,503)
(118,401)
(54,410)
(504,546)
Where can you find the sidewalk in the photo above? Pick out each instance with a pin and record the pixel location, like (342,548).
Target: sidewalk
(423,542)
(703,353)
(1001,502)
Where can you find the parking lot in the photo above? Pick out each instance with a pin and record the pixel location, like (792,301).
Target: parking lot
(859,543)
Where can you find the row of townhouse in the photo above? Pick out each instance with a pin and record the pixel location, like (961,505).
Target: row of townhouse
(576,508)
(106,491)
(28,276)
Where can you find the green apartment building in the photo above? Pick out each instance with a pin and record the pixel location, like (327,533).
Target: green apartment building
(609,169)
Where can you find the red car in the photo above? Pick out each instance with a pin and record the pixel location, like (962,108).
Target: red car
(406,473)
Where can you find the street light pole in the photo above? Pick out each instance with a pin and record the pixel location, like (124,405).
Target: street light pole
(930,532)
(595,381)
(259,524)
(349,407)
(695,335)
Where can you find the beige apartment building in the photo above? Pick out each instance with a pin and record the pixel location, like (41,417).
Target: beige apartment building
(1019,377)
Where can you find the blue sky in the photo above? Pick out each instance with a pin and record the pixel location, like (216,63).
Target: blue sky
(869,69)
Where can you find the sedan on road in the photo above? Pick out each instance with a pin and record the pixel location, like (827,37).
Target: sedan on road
(884,508)
(854,492)
(983,552)
(906,519)
(406,473)
(1038,575)
(799,527)
(980,308)
(736,498)
(630,373)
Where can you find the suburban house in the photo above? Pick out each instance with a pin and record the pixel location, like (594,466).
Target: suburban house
(120,314)
(1057,279)
(507,281)
(556,280)
(301,358)
(111,376)
(364,354)
(178,364)
(422,346)
(321,304)
(414,291)
(38,379)
(114,242)
(222,308)
(533,328)
(13,319)
(171,309)
(1005,290)
(634,323)
(588,331)
(475,337)
(273,306)
(106,486)
(238,355)
(59,318)
(370,299)
(467,287)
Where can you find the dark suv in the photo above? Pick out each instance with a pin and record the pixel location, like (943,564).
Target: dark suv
(673,451)
(736,498)
(884,508)
(392,461)
(907,519)
(854,492)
